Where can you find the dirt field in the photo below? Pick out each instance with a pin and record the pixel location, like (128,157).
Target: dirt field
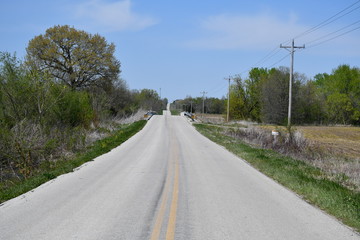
(211,118)
(343,140)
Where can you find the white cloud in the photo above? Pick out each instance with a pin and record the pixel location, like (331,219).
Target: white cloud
(114,16)
(245,32)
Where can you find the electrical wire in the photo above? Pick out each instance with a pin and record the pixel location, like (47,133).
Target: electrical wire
(217,88)
(333,32)
(327,21)
(279,60)
(268,56)
(347,10)
(327,40)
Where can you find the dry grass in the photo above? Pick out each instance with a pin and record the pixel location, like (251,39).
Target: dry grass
(211,118)
(344,141)
(340,140)
(335,150)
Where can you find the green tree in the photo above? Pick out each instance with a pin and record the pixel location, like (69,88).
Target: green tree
(309,105)
(341,89)
(253,86)
(73,57)
(149,99)
(275,97)
(238,102)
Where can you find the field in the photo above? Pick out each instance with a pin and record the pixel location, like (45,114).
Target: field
(344,141)
(211,118)
(333,149)
(341,141)
(338,149)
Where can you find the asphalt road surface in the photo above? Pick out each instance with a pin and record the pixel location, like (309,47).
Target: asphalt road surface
(166,182)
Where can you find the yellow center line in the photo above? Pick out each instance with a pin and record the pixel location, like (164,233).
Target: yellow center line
(170,234)
(160,217)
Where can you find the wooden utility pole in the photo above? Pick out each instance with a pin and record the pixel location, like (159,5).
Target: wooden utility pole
(228,103)
(292,50)
(203,93)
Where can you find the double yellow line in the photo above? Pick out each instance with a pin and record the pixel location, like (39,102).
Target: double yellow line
(173,162)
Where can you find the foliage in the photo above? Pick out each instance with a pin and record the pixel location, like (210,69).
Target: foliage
(195,105)
(43,119)
(74,109)
(341,91)
(73,57)
(149,99)
(48,170)
(329,98)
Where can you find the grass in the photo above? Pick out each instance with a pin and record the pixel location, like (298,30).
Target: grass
(309,182)
(175,112)
(343,140)
(50,171)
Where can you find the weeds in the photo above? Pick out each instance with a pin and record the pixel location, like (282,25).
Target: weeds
(295,145)
(48,170)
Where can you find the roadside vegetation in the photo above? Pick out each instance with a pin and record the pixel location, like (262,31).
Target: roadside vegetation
(175,112)
(49,170)
(263,97)
(329,191)
(66,94)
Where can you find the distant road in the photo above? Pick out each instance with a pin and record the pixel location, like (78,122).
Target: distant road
(166,182)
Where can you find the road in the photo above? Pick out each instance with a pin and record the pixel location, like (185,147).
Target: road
(166,182)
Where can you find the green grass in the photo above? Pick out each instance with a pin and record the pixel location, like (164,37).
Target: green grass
(49,171)
(307,181)
(175,112)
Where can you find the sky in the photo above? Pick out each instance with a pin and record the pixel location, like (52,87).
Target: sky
(182,48)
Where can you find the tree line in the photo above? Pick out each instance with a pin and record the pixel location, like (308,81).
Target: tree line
(68,83)
(327,99)
(264,96)
(200,105)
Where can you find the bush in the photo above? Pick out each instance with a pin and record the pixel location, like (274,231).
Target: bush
(74,109)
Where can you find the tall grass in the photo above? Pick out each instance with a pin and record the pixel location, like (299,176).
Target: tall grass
(49,169)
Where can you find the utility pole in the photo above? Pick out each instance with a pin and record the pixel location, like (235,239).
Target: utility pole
(228,103)
(203,93)
(292,50)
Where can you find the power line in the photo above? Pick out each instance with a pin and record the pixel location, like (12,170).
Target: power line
(268,56)
(327,21)
(217,88)
(329,34)
(279,61)
(327,40)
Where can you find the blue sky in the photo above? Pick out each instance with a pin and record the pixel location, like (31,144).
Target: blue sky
(185,47)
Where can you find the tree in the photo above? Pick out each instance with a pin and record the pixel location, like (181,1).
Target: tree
(253,87)
(74,57)
(309,105)
(341,89)
(149,99)
(275,97)
(238,102)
